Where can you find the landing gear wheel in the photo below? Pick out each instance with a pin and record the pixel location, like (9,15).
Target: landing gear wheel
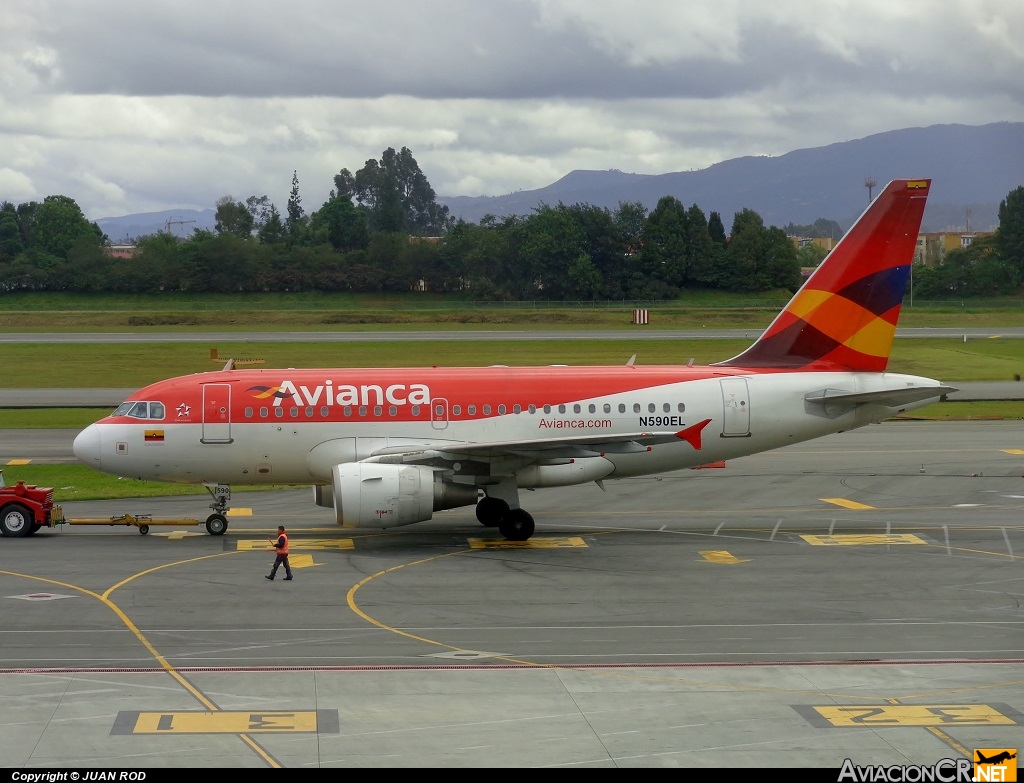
(143,529)
(490,511)
(15,521)
(216,525)
(516,525)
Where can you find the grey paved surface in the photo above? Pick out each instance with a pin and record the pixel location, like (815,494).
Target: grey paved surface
(711,618)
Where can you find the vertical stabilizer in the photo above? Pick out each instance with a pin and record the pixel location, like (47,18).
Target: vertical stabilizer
(844,317)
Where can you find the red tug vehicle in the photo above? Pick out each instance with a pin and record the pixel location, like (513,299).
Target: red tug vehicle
(24,508)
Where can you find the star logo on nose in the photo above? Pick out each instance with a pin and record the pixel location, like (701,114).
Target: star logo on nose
(184,410)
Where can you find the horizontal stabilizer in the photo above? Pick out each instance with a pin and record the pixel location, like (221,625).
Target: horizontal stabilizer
(889,397)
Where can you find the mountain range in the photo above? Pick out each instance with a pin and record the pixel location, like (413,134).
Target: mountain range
(972,167)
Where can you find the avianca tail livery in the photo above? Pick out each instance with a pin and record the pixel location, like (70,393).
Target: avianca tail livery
(388,447)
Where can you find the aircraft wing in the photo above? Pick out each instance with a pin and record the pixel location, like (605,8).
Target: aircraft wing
(541,449)
(890,397)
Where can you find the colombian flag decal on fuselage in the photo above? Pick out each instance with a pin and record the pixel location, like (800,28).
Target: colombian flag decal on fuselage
(154,436)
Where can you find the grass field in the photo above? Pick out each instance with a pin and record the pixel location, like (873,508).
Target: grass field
(135,365)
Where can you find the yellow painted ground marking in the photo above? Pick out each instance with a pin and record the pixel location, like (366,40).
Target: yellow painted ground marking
(1013,451)
(532,543)
(916,715)
(18,461)
(851,504)
(177,535)
(239,512)
(225,722)
(721,556)
(301,561)
(308,544)
(865,539)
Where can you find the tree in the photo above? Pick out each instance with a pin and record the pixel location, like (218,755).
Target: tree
(295,223)
(272,232)
(59,224)
(1010,234)
(664,255)
(396,195)
(234,218)
(10,234)
(342,224)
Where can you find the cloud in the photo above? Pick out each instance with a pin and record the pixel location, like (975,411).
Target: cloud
(129,106)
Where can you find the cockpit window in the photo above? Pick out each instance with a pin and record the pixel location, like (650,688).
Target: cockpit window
(140,410)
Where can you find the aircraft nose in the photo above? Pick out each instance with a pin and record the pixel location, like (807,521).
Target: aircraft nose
(87,445)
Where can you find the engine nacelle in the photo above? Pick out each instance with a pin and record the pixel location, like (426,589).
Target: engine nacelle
(371,494)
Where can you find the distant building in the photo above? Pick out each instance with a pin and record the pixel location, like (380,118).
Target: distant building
(932,246)
(121,251)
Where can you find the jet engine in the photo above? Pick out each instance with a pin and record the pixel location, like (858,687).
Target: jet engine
(371,494)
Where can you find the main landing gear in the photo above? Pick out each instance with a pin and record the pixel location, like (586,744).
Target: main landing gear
(217,522)
(515,524)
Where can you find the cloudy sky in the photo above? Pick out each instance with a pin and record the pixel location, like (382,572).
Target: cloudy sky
(130,106)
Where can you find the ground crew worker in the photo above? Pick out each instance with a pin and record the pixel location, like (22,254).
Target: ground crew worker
(281,545)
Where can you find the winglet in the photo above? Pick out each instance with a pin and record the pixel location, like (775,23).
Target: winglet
(844,317)
(692,433)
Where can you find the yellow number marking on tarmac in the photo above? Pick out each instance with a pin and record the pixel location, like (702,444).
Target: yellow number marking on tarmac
(866,539)
(532,543)
(851,504)
(875,715)
(1013,451)
(269,722)
(313,544)
(721,556)
(18,461)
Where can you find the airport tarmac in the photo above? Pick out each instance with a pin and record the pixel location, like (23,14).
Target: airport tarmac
(857,597)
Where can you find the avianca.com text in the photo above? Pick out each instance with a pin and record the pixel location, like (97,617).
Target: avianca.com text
(574,424)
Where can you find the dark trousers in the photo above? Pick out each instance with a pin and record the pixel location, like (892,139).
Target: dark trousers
(278,561)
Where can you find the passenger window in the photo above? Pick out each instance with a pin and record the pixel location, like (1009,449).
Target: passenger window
(681,407)
(517,408)
(561,409)
(636,407)
(294,412)
(324,411)
(309,412)
(576,408)
(347,411)
(248,413)
(264,412)
(651,407)
(471,410)
(607,408)
(377,410)
(362,410)
(501,410)
(666,407)
(415,410)
(279,412)
(456,410)
(393,410)
(622,408)
(547,409)
(487,410)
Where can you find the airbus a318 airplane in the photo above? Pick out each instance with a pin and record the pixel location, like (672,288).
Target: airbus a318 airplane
(389,447)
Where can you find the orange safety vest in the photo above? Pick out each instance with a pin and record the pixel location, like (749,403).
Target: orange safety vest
(282,550)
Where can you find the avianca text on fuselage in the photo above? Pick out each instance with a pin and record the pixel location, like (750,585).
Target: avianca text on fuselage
(345,394)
